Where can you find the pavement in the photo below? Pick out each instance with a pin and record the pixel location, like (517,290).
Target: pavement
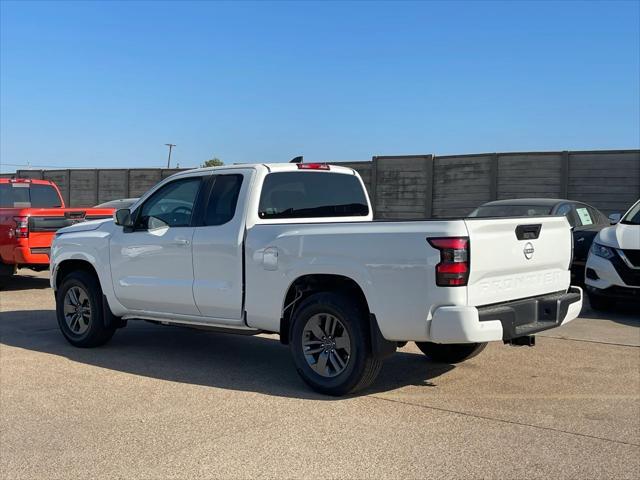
(167,402)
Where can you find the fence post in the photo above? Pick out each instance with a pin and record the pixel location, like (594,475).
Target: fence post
(494,172)
(97,197)
(127,184)
(564,175)
(68,187)
(428,177)
(374,184)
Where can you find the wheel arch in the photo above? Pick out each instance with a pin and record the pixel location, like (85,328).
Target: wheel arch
(308,284)
(68,266)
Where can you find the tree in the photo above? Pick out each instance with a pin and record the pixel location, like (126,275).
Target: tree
(214,162)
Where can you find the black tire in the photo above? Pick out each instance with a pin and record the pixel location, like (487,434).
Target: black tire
(94,332)
(6,272)
(361,367)
(452,352)
(599,302)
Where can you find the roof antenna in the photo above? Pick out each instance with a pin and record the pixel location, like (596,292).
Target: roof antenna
(296,160)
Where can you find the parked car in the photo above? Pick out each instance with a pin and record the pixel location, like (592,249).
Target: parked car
(613,267)
(292,249)
(586,221)
(31,211)
(118,204)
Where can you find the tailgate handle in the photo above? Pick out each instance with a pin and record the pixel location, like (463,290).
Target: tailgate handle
(528,232)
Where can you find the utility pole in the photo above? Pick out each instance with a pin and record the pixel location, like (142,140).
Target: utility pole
(170,145)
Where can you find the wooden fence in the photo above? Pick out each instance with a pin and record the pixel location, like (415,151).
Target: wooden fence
(424,186)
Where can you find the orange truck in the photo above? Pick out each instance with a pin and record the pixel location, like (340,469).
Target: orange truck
(31,211)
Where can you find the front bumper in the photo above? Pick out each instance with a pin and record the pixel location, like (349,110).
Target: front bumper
(611,273)
(505,321)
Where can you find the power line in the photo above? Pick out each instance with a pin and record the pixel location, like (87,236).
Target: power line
(31,165)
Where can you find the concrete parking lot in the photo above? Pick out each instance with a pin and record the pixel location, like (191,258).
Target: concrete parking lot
(168,402)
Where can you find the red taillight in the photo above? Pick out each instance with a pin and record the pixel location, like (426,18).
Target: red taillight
(453,269)
(21,229)
(313,166)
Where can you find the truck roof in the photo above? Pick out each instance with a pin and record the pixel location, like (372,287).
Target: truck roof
(34,181)
(283,167)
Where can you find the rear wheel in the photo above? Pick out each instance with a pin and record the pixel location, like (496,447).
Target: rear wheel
(6,272)
(452,352)
(330,347)
(79,311)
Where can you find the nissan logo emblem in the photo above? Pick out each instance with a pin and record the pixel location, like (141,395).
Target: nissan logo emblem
(528,250)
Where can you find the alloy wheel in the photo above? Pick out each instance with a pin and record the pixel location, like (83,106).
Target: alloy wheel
(77,310)
(326,345)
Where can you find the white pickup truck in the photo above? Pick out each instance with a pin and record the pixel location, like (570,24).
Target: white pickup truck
(292,249)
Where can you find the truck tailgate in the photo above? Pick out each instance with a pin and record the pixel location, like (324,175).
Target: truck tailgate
(513,258)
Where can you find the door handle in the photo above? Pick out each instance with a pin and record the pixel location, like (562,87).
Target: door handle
(581,239)
(182,241)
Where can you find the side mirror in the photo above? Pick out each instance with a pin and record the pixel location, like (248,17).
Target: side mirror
(615,218)
(123,218)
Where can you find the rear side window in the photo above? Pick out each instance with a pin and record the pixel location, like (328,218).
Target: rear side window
(221,206)
(26,195)
(312,194)
(44,196)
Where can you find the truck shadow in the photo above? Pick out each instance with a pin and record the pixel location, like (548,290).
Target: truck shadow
(24,281)
(257,364)
(624,313)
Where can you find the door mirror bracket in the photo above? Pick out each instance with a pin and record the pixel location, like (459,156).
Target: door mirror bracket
(123,218)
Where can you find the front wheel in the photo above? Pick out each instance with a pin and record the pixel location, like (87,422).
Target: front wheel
(330,346)
(452,352)
(79,311)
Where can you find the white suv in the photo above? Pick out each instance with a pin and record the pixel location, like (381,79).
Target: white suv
(613,267)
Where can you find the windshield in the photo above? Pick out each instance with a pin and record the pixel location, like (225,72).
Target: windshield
(633,216)
(27,195)
(118,204)
(511,211)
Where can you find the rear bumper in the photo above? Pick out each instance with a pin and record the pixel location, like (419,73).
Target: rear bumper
(505,321)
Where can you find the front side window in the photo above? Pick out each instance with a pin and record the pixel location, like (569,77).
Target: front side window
(566,209)
(171,206)
(221,206)
(312,195)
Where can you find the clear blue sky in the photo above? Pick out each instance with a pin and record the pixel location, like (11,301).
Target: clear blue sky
(108,84)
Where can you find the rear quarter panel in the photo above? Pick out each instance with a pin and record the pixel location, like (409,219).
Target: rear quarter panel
(391,261)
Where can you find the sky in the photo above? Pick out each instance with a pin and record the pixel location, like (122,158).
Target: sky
(108,84)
